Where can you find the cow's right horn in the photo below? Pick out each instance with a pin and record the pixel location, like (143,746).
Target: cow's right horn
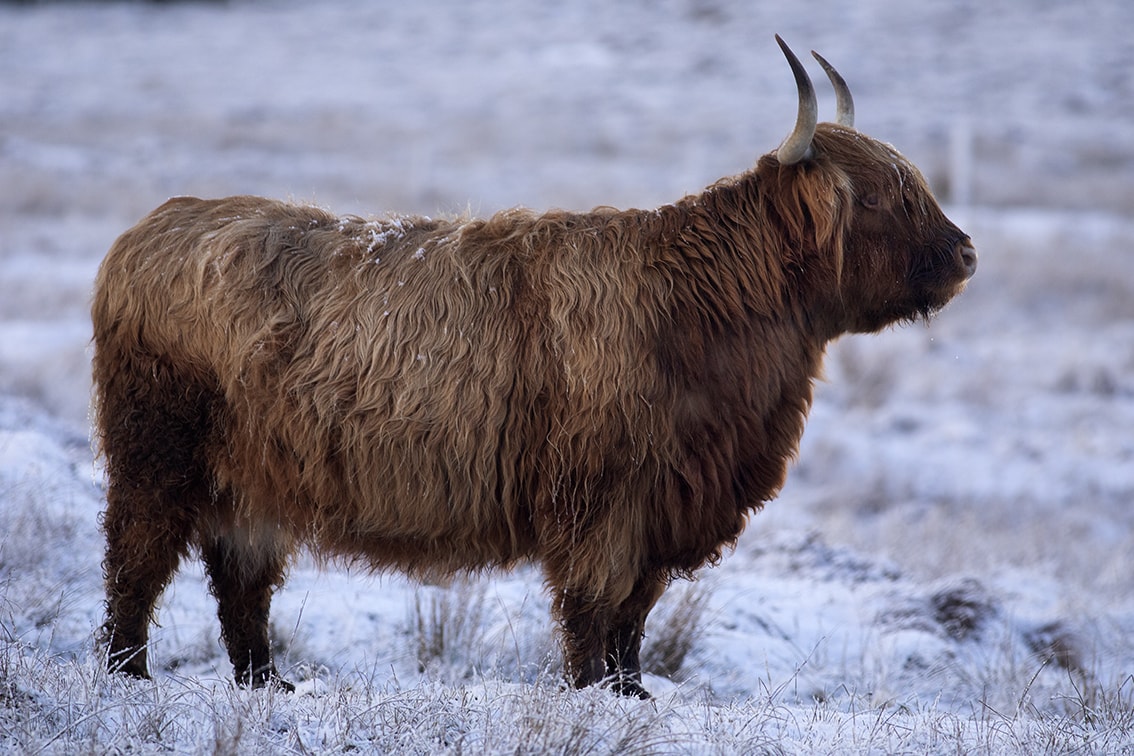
(797,146)
(844,103)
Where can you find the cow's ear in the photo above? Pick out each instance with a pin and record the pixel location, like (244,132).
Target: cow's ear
(829,198)
(815,201)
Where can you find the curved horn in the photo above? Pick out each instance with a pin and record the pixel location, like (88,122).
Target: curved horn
(798,144)
(844,103)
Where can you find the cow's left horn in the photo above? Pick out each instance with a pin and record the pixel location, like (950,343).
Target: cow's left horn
(844,103)
(798,144)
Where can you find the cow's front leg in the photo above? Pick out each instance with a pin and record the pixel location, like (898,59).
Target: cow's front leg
(624,638)
(584,635)
(603,644)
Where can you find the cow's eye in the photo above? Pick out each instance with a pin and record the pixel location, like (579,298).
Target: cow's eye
(871,200)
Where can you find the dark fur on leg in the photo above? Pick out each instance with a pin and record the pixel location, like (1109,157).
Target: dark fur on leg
(603,646)
(151,424)
(242,577)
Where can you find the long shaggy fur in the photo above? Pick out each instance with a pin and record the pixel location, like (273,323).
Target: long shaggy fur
(607,393)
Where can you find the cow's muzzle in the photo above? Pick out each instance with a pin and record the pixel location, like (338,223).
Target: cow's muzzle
(968,255)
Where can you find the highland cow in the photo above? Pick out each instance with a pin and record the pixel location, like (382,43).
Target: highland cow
(609,394)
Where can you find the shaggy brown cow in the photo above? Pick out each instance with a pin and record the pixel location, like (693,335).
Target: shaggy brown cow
(609,393)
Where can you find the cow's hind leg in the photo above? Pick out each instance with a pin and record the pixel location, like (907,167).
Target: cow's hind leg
(244,570)
(152,428)
(145,541)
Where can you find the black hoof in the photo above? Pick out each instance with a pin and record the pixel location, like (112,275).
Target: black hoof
(265,678)
(631,688)
(131,663)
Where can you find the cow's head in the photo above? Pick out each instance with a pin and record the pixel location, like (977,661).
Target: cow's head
(867,241)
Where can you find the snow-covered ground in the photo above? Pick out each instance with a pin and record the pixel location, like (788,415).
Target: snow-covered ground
(951,565)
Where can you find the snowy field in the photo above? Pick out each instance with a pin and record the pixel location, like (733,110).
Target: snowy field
(951,565)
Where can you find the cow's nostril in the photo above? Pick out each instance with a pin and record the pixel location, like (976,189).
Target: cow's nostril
(969,259)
